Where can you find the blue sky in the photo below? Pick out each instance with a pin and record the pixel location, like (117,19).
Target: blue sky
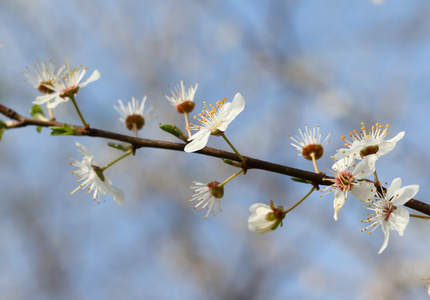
(333,63)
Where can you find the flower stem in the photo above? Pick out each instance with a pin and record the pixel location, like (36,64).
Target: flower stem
(51,114)
(72,97)
(301,200)
(419,217)
(376,176)
(187,123)
(314,162)
(116,160)
(232,147)
(231,177)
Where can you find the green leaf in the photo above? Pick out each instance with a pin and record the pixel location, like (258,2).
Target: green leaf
(300,180)
(232,162)
(38,114)
(123,147)
(65,130)
(174,130)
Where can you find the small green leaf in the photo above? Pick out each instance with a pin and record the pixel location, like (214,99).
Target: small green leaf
(174,130)
(232,162)
(37,113)
(123,147)
(300,180)
(65,130)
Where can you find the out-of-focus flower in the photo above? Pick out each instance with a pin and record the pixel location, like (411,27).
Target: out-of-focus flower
(214,122)
(182,98)
(132,115)
(43,75)
(66,86)
(93,179)
(386,210)
(345,181)
(207,195)
(309,142)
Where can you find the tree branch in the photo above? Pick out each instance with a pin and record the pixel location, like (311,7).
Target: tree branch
(251,163)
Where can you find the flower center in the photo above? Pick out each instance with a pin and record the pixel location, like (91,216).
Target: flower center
(387,210)
(69,92)
(209,117)
(216,190)
(369,150)
(344,180)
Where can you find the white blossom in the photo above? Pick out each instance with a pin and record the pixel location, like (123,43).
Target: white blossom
(94,182)
(345,180)
(386,211)
(66,86)
(214,122)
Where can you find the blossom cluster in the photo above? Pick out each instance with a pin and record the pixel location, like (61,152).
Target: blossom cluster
(353,164)
(351,168)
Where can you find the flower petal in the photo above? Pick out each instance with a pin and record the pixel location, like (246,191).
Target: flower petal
(398,220)
(364,191)
(198,141)
(386,231)
(95,76)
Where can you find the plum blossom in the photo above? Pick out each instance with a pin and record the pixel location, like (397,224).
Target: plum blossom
(207,195)
(345,180)
(182,98)
(93,179)
(365,143)
(43,74)
(309,142)
(214,122)
(386,211)
(66,86)
(133,115)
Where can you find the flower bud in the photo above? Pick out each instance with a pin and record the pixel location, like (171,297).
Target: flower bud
(265,218)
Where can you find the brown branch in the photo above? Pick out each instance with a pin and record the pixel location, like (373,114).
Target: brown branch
(251,163)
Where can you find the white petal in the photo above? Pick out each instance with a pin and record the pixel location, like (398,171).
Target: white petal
(42,99)
(57,101)
(398,220)
(118,195)
(386,231)
(365,167)
(405,194)
(238,104)
(199,141)
(364,191)
(339,201)
(394,186)
(95,76)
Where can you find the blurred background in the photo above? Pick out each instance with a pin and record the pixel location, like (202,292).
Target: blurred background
(329,63)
